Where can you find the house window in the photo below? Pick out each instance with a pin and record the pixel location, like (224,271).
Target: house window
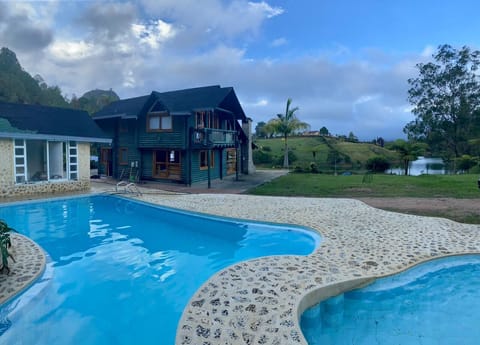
(123,156)
(160,121)
(206,119)
(123,126)
(166,164)
(204,160)
(40,160)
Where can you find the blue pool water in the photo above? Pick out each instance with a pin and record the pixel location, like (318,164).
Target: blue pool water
(121,272)
(434,303)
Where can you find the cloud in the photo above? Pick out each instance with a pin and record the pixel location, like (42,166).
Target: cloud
(108,20)
(203,23)
(279,42)
(22,28)
(153,33)
(189,43)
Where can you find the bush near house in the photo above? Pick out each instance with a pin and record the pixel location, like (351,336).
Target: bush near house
(5,244)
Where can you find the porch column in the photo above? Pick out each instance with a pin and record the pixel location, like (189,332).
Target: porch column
(209,152)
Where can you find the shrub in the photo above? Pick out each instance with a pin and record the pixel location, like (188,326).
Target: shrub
(5,243)
(260,157)
(292,157)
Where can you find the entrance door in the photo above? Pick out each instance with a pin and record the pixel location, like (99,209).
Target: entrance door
(106,161)
(166,164)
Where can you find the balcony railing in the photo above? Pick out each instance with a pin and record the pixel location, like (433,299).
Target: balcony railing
(210,137)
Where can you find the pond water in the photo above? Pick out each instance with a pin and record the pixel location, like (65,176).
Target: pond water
(423,165)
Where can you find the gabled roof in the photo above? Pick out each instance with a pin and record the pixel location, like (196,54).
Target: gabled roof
(27,121)
(179,102)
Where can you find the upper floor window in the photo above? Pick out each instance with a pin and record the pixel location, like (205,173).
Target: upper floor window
(160,121)
(123,126)
(206,119)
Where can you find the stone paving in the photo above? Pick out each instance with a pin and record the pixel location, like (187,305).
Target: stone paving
(29,264)
(260,301)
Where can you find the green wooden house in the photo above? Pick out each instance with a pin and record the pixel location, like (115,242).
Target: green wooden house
(187,136)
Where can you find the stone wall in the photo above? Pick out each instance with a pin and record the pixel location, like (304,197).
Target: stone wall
(8,188)
(6,166)
(84,161)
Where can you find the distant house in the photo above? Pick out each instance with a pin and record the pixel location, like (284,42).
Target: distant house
(186,136)
(45,149)
(311,133)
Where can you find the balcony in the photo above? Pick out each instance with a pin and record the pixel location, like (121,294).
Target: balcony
(210,137)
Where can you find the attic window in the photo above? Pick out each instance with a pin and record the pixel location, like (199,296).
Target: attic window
(159,121)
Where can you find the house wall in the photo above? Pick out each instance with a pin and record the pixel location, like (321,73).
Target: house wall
(176,139)
(8,188)
(202,175)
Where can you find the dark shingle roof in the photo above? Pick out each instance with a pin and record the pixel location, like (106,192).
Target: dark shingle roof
(177,102)
(123,108)
(42,122)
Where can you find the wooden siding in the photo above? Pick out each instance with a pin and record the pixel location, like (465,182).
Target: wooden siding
(176,139)
(202,175)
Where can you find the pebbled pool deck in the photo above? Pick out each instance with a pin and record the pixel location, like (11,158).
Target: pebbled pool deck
(260,301)
(29,264)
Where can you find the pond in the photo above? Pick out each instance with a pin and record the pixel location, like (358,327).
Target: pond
(423,165)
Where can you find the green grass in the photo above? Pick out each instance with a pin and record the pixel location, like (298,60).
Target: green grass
(386,186)
(322,185)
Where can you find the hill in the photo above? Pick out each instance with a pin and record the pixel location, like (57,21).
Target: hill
(324,154)
(18,86)
(94,100)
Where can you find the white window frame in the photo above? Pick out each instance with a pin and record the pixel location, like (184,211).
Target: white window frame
(20,161)
(23,156)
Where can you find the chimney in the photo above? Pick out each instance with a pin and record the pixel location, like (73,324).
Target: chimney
(247,128)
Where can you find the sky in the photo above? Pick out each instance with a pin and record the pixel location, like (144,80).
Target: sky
(344,63)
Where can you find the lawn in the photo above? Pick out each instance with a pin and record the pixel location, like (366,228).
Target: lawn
(381,185)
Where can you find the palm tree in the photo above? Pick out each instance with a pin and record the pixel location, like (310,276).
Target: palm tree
(286,124)
(408,151)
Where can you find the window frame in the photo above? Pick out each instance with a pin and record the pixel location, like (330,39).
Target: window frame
(160,115)
(123,153)
(67,157)
(205,159)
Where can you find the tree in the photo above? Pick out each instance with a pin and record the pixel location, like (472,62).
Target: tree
(408,151)
(260,130)
(286,124)
(446,100)
(466,162)
(378,164)
(324,131)
(352,137)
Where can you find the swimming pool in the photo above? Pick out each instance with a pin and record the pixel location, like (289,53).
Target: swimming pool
(121,272)
(434,303)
